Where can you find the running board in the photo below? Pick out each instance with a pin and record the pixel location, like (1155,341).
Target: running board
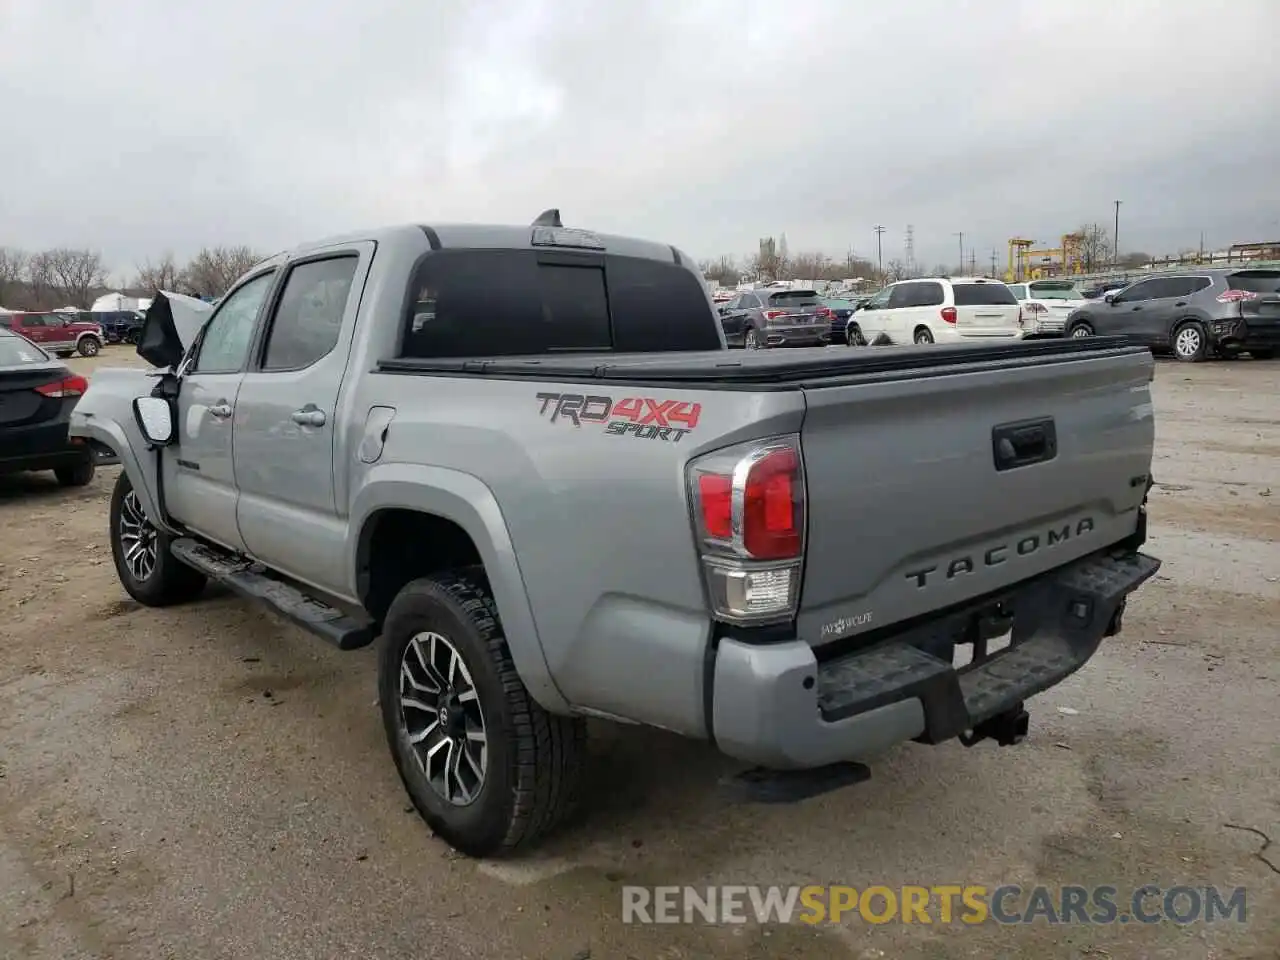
(253,581)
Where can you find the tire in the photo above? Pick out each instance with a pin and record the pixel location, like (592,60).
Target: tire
(1190,345)
(751,339)
(89,346)
(63,354)
(1267,354)
(1080,330)
(922,335)
(525,772)
(168,580)
(854,337)
(79,475)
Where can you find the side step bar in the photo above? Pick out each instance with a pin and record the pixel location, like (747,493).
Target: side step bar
(253,581)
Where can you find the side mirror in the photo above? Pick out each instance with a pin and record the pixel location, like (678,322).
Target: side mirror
(1110,298)
(155,419)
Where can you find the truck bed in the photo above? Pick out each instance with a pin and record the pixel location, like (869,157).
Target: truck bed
(765,369)
(934,474)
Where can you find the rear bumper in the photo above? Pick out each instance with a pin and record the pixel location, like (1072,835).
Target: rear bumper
(41,446)
(778,706)
(1242,334)
(801,335)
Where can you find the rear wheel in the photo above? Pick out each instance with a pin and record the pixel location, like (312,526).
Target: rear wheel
(854,337)
(78,475)
(1189,342)
(89,346)
(1082,330)
(486,767)
(923,335)
(147,570)
(751,339)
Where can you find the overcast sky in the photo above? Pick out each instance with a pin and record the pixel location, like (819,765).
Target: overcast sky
(139,126)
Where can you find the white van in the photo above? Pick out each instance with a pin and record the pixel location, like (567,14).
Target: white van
(938,310)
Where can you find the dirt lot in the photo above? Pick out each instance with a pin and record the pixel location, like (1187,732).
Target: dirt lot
(207,782)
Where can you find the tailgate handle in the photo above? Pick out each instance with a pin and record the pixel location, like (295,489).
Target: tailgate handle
(1023,443)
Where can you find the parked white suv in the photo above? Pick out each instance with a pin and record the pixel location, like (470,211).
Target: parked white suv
(938,310)
(1046,305)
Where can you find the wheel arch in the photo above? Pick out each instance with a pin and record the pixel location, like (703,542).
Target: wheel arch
(399,505)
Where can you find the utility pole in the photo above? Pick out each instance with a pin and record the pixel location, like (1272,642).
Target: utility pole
(911,250)
(960,234)
(879,251)
(1115,234)
(993,264)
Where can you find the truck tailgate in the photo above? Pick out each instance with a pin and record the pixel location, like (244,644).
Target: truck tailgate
(932,487)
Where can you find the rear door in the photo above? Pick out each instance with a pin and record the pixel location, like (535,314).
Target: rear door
(286,417)
(985,308)
(1150,319)
(795,307)
(32,326)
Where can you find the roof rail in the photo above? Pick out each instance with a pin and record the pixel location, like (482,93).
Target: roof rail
(548,218)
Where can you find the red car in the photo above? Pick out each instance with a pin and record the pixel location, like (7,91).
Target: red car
(56,333)
(36,396)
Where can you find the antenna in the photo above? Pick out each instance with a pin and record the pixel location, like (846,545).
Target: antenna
(549,218)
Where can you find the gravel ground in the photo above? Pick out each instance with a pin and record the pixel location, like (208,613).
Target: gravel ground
(208,782)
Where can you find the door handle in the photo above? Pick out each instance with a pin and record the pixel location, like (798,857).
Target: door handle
(221,410)
(1181,303)
(308,416)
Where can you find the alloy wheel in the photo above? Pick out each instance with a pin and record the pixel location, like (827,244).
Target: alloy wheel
(137,538)
(442,717)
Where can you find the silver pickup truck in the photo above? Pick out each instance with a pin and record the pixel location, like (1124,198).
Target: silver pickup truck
(524,458)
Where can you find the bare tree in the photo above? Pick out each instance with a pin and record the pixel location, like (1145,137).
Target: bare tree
(1095,247)
(41,283)
(13,271)
(724,271)
(212,271)
(896,270)
(164,275)
(74,274)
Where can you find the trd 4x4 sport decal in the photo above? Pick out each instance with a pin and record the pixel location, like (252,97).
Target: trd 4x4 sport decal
(641,417)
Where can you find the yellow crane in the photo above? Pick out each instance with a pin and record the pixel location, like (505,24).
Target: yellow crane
(1028,264)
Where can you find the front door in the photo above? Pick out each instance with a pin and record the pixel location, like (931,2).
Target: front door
(199,483)
(287,420)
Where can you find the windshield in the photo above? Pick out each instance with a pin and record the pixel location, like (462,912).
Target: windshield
(15,351)
(1019,290)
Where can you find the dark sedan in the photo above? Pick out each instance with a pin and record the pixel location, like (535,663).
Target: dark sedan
(37,393)
(775,317)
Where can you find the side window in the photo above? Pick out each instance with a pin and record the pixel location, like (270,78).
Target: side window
(749,301)
(309,315)
(225,342)
(1199,283)
(658,307)
(1168,287)
(1139,291)
(901,295)
(33,320)
(928,295)
(879,301)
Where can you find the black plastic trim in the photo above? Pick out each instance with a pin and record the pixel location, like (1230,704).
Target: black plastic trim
(433,238)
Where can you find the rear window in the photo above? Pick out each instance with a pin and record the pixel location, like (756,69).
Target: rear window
(1255,281)
(474,303)
(794,298)
(1055,290)
(983,295)
(15,351)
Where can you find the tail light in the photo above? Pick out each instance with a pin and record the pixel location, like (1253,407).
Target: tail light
(1235,296)
(748,506)
(826,313)
(949,314)
(1035,307)
(72,386)
(774,314)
